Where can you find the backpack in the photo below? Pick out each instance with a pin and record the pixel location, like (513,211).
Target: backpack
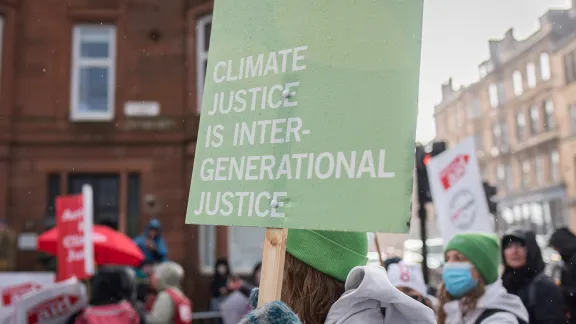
(121,313)
(489,312)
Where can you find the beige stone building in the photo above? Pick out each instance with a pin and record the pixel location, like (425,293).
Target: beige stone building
(522,115)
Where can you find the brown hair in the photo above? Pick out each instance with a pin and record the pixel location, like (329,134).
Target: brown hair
(309,292)
(468,303)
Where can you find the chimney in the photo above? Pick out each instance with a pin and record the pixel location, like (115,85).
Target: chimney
(494,48)
(447,89)
(509,36)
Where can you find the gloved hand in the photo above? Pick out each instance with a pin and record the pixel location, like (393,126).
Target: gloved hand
(272,313)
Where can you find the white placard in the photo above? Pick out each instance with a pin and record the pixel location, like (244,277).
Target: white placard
(142,108)
(15,285)
(52,305)
(457,191)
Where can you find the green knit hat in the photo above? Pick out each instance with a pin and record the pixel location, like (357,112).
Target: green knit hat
(332,253)
(482,249)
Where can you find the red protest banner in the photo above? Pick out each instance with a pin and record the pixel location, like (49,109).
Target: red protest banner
(75,247)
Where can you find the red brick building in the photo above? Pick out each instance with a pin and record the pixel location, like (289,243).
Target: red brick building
(106,92)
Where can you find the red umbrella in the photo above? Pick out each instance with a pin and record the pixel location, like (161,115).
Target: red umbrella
(110,247)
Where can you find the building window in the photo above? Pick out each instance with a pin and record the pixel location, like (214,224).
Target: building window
(525,174)
(509,178)
(500,175)
(133,205)
(570,66)
(106,190)
(245,246)
(479,141)
(54,190)
(539,170)
(93,72)
(545,72)
(207,247)
(549,121)
(554,166)
(520,126)
(517,82)
(493,95)
(573,118)
(501,93)
(531,75)
(534,120)
(457,116)
(496,135)
(203,30)
(504,139)
(473,108)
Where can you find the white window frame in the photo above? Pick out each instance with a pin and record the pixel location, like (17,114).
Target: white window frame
(500,173)
(201,57)
(207,254)
(493,95)
(554,166)
(526,166)
(517,83)
(246,270)
(78,62)
(520,125)
(549,111)
(534,118)
(545,71)
(531,75)
(539,168)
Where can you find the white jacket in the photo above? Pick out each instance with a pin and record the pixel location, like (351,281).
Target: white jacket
(495,297)
(367,291)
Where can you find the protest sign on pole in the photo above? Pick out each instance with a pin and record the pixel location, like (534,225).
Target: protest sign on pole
(308,120)
(15,285)
(457,191)
(74,220)
(52,305)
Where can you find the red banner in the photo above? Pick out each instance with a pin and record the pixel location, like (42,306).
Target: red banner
(71,247)
(454,171)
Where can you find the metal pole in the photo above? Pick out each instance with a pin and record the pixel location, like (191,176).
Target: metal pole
(423,235)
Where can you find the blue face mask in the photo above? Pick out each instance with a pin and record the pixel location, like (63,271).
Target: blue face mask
(457,277)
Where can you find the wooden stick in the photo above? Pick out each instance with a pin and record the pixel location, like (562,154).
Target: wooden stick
(378,249)
(272,265)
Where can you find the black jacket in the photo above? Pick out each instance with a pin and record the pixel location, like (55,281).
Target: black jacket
(564,241)
(542,298)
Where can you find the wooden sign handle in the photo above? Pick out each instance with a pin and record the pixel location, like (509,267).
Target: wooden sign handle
(272,265)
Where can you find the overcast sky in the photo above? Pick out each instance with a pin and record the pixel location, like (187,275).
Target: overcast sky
(455,41)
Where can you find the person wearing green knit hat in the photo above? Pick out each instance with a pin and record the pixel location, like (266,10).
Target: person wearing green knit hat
(471,292)
(326,281)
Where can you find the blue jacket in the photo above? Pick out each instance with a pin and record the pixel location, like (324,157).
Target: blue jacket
(161,250)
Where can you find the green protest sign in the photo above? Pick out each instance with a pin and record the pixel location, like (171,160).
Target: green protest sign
(309,115)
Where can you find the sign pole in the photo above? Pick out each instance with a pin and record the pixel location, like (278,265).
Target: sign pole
(272,265)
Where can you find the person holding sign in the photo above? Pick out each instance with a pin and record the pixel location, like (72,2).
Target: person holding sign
(326,281)
(471,292)
(409,280)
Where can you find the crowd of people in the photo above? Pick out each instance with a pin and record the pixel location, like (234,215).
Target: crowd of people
(485,280)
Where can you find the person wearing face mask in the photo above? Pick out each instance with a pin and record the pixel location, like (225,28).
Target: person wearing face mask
(471,292)
(409,280)
(524,277)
